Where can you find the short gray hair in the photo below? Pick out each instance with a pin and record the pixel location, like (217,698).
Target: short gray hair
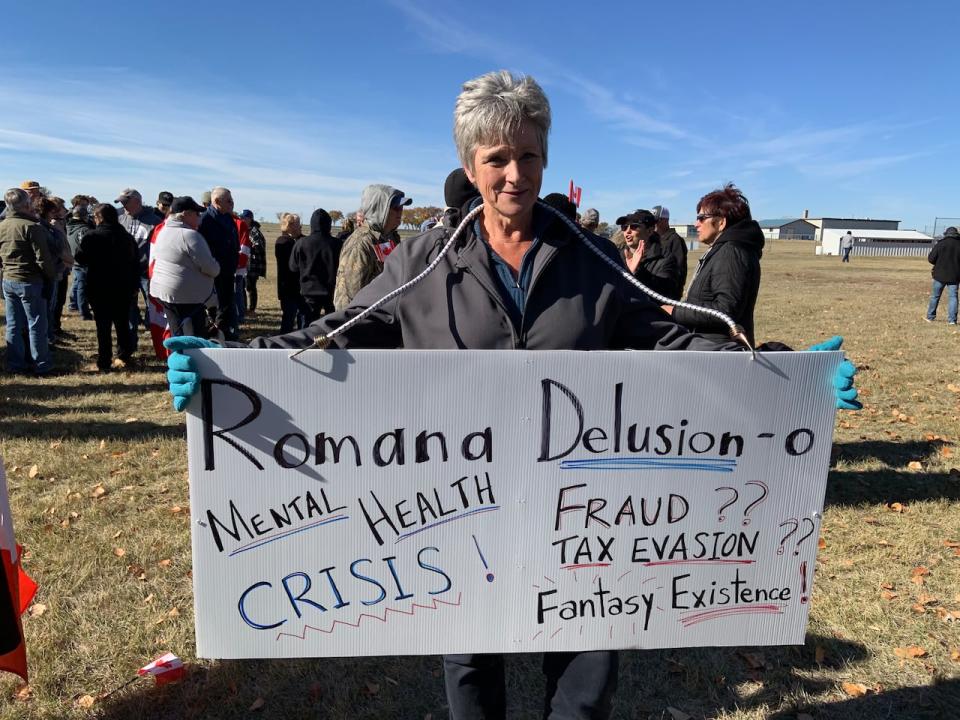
(17,200)
(176,217)
(219,192)
(491,108)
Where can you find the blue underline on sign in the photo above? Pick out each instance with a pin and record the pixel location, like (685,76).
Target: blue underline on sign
(722,465)
(260,543)
(445,521)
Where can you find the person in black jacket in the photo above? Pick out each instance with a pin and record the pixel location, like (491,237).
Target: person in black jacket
(728,276)
(111,257)
(314,259)
(945,258)
(220,231)
(288,281)
(646,256)
(673,244)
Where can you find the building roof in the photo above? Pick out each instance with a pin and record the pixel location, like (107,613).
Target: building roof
(854,219)
(881,234)
(780,222)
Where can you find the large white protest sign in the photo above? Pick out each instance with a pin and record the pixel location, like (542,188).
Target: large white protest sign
(409,502)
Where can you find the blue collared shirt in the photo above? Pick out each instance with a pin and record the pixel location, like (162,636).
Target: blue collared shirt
(515,288)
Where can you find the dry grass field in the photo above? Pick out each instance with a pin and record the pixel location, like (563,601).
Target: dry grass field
(97,475)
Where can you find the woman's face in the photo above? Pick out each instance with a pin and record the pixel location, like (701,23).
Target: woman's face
(709,227)
(508,176)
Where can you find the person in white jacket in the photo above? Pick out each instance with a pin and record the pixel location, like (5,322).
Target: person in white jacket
(183,270)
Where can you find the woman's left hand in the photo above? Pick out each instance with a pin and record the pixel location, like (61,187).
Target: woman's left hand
(843,389)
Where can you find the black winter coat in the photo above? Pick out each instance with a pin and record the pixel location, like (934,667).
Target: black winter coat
(945,258)
(658,269)
(112,259)
(288,281)
(315,258)
(727,279)
(221,235)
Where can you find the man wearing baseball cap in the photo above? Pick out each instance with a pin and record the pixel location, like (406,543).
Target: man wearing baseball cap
(139,221)
(672,243)
(164,200)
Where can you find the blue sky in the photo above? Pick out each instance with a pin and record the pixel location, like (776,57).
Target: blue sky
(843,108)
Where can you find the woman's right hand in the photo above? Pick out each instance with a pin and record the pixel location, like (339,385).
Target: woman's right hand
(182,374)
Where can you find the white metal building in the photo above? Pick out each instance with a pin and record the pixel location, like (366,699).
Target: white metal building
(877,242)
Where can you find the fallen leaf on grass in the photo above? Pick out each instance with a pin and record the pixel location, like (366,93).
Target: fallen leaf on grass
(132,420)
(896,507)
(176,509)
(173,613)
(887,595)
(257,704)
(953,388)
(947,615)
(103,444)
(148,599)
(955,655)
(85,701)
(137,571)
(913,651)
(925,599)
(24,693)
(678,714)
(821,543)
(951,544)
(119,552)
(117,534)
(165,563)
(915,465)
(946,452)
(855,689)
(55,444)
(37,609)
(871,521)
(98,492)
(919,609)
(34,471)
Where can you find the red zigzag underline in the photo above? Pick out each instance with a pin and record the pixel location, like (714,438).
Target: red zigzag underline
(432,606)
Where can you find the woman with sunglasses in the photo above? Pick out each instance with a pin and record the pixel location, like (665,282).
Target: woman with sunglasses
(728,276)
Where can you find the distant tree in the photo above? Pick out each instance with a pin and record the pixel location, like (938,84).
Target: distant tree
(336,216)
(280,216)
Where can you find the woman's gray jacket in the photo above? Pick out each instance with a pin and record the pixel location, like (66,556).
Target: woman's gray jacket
(574,302)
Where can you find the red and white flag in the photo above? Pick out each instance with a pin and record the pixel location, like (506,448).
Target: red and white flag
(159,327)
(166,668)
(17,590)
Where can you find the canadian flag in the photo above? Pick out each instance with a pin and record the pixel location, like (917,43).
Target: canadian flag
(159,327)
(166,668)
(16,591)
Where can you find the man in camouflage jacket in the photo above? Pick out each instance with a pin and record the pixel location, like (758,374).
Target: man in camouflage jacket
(363,253)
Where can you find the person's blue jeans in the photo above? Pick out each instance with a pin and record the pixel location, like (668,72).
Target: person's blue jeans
(240,297)
(935,294)
(26,313)
(78,294)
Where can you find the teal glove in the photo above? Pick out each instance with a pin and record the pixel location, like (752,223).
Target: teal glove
(843,389)
(182,375)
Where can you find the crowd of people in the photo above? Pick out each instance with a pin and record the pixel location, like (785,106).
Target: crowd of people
(190,268)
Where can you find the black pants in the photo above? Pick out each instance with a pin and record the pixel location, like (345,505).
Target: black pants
(291,315)
(112,313)
(186,318)
(314,306)
(227,312)
(60,300)
(251,293)
(580,685)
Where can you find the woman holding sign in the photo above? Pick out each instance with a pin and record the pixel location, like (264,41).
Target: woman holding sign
(516,275)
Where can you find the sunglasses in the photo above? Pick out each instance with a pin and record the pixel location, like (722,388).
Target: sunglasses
(703,216)
(631,226)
